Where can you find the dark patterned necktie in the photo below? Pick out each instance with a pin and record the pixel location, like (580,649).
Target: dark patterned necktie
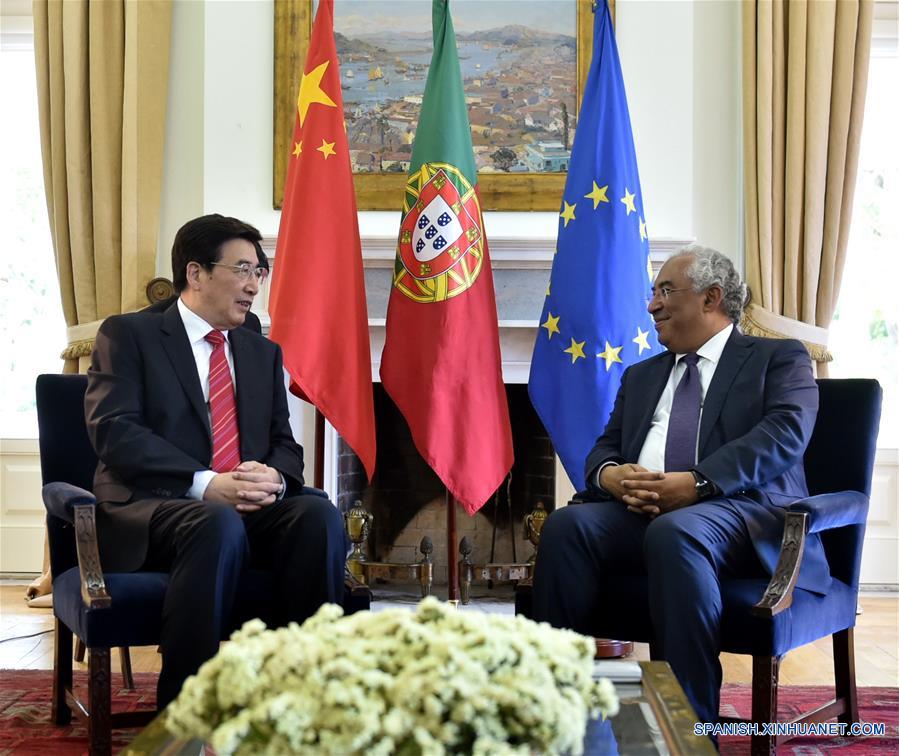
(683,422)
(222,408)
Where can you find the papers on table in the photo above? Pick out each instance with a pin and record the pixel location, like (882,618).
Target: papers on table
(618,670)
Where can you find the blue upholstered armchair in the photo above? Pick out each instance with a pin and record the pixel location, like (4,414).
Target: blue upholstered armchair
(766,620)
(105,610)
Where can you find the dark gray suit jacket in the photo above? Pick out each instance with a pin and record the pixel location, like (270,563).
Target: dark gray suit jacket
(149,424)
(757,419)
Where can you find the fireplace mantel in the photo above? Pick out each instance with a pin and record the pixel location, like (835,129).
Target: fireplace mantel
(521,272)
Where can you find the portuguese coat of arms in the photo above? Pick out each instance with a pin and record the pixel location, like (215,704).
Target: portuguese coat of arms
(440,248)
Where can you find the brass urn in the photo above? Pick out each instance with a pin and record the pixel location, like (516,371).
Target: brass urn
(533,525)
(357,521)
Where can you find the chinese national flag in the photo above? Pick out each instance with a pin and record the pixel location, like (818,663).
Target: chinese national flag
(441,363)
(317,303)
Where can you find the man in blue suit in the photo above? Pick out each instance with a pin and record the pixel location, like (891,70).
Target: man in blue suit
(702,450)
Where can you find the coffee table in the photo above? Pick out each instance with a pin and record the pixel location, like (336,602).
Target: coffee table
(655,718)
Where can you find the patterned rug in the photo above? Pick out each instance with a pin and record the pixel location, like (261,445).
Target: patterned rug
(876,705)
(25,726)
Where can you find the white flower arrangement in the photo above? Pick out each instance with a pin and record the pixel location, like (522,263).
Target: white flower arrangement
(432,681)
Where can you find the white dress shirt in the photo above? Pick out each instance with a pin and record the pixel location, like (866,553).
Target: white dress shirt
(197,328)
(652,455)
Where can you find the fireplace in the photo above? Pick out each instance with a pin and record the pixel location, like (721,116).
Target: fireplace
(408,500)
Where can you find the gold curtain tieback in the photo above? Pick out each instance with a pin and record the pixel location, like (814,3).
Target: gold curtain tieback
(757,321)
(80,339)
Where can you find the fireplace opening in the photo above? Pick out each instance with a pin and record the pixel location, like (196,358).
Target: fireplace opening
(408,500)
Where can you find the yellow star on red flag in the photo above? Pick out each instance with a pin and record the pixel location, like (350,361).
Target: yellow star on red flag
(326,149)
(311,92)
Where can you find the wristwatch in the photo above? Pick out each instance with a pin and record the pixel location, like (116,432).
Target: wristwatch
(704,487)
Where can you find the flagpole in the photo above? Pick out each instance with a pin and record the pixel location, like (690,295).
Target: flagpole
(318,464)
(452,566)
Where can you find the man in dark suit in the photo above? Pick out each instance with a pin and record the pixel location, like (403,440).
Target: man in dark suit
(702,450)
(199,475)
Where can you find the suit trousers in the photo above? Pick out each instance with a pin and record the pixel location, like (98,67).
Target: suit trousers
(683,553)
(205,546)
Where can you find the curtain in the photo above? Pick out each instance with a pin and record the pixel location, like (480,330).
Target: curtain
(102,72)
(805,71)
(102,79)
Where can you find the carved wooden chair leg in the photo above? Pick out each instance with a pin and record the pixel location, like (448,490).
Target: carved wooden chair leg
(765,670)
(844,673)
(62,673)
(99,694)
(125,659)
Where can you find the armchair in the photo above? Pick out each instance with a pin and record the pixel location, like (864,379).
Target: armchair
(768,619)
(105,610)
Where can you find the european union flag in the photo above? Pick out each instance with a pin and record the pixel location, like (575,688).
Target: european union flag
(594,322)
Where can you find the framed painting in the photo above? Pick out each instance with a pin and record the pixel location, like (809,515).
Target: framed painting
(524,65)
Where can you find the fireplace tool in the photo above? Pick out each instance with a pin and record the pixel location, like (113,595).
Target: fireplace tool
(501,572)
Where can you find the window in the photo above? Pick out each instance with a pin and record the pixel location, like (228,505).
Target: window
(32,329)
(865,328)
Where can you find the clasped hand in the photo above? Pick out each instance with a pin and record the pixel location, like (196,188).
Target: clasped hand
(647,492)
(248,488)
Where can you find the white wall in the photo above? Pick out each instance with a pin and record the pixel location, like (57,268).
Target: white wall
(717,127)
(182,183)
(238,103)
(655,41)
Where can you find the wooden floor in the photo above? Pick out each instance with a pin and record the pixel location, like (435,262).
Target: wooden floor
(876,645)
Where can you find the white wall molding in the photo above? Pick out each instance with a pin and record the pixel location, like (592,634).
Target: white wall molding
(880,558)
(506,252)
(21,508)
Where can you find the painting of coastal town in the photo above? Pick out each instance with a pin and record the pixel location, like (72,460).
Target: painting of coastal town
(519,70)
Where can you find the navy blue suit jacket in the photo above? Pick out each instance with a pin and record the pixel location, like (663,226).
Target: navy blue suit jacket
(757,419)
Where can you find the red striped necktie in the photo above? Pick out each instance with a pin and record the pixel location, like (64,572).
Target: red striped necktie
(222,408)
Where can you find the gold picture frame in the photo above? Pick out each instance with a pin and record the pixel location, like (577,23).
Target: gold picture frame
(384,191)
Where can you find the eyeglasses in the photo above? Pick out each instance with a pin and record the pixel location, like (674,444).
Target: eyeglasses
(244,270)
(663,292)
